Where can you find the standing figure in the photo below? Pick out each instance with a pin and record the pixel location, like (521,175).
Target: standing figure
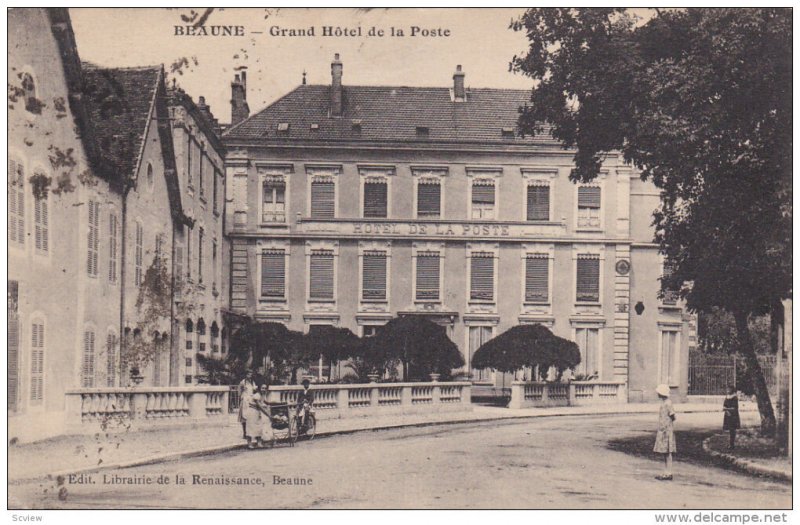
(267,434)
(305,402)
(731,420)
(246,389)
(665,436)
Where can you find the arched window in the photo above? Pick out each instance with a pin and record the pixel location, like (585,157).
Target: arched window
(201,335)
(214,337)
(189,330)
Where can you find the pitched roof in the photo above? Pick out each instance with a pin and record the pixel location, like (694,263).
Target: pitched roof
(390,114)
(120,102)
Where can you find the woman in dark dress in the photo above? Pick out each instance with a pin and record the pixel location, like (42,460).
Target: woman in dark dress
(731,408)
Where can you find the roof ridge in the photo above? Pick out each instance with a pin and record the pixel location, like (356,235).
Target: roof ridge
(90,65)
(345,86)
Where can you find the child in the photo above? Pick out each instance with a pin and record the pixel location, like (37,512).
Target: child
(665,436)
(731,420)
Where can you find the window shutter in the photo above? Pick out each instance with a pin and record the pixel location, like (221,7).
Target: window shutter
(40,224)
(111,362)
(112,248)
(538,203)
(375,199)
(428,276)
(92,240)
(321,279)
(429,199)
(16,202)
(589,197)
(374,276)
(482,277)
(483,192)
(37,363)
(588,285)
(323,199)
(13,345)
(273,273)
(537,268)
(88,359)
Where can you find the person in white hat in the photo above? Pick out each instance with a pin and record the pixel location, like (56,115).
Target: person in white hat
(665,436)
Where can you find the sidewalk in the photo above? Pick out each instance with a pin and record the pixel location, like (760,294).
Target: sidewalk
(752,454)
(85,453)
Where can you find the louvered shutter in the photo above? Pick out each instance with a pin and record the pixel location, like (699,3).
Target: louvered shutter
(40,224)
(321,279)
(428,276)
(111,361)
(375,199)
(12,201)
(273,274)
(13,345)
(482,277)
(482,193)
(112,248)
(374,276)
(37,363)
(429,199)
(323,199)
(91,258)
(588,285)
(537,279)
(589,197)
(538,203)
(87,373)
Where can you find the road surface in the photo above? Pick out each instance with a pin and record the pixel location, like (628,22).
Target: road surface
(561,462)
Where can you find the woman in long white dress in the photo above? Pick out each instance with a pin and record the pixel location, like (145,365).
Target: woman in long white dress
(252,416)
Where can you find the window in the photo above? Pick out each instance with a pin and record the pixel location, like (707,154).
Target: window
(538,202)
(87,371)
(41,222)
(376,192)
(37,362)
(537,278)
(188,379)
(588,343)
(189,253)
(589,198)
(111,359)
(138,276)
(670,294)
(93,238)
(668,358)
(483,201)
(200,255)
(481,276)
(112,248)
(214,263)
(273,274)
(274,200)
(200,159)
(427,281)
(189,332)
(215,196)
(478,335)
(373,284)
(588,279)
(201,334)
(13,345)
(323,198)
(150,178)
(188,362)
(321,275)
(16,203)
(429,198)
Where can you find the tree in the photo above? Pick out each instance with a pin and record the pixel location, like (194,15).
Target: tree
(421,346)
(268,344)
(527,346)
(334,344)
(700,101)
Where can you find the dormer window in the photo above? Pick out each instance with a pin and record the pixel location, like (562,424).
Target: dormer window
(314,127)
(507,133)
(423,132)
(283,127)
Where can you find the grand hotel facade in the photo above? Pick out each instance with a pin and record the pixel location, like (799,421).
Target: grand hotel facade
(350,205)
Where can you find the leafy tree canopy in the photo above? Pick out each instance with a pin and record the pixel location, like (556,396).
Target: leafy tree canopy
(527,346)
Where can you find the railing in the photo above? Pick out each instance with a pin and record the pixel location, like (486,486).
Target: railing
(145,405)
(713,374)
(352,400)
(526,394)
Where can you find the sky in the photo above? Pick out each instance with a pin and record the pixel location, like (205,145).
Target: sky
(480,40)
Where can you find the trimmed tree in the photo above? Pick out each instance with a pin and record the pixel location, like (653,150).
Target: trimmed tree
(334,344)
(700,101)
(527,346)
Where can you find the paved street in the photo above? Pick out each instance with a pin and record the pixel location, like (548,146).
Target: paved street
(561,462)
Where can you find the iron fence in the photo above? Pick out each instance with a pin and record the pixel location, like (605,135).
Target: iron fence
(712,374)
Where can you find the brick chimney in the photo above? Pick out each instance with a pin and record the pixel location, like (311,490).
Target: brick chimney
(459,93)
(336,86)
(239,108)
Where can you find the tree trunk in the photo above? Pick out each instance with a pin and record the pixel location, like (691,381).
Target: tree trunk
(755,373)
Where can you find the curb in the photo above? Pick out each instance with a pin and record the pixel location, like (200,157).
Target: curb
(219,449)
(751,467)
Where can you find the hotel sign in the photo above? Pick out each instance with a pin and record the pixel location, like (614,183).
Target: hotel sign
(430,229)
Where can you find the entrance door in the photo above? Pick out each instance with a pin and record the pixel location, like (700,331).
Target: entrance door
(477,336)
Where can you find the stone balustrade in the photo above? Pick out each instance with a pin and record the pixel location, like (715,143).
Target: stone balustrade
(91,408)
(354,400)
(527,394)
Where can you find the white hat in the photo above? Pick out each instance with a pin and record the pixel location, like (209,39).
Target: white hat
(662,390)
